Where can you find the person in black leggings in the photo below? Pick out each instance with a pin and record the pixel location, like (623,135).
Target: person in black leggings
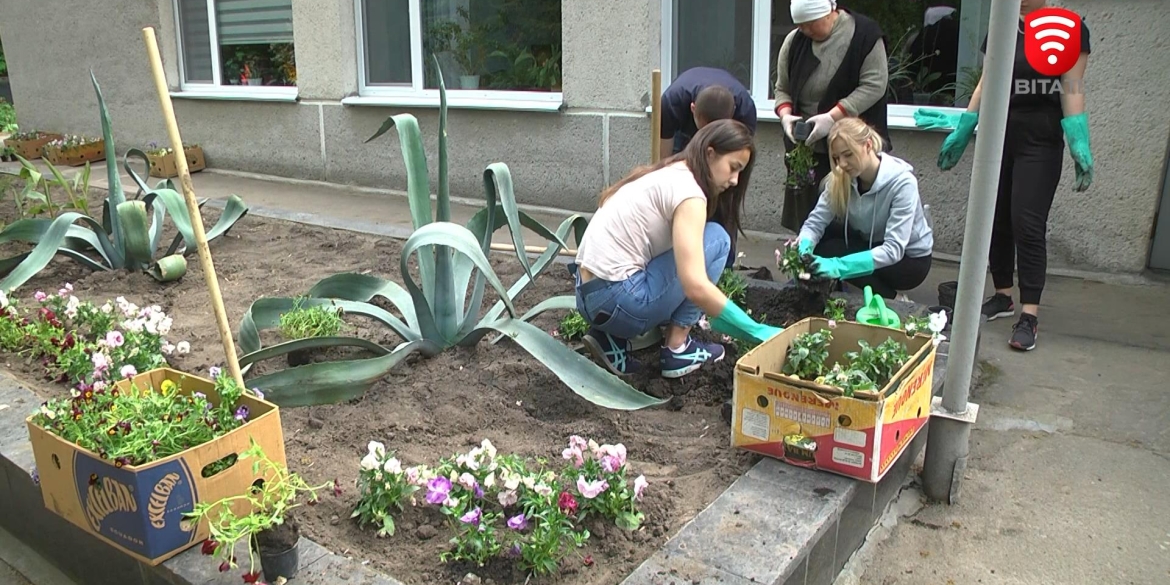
(1042,115)
(869,227)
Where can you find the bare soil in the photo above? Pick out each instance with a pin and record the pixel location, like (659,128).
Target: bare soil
(432,408)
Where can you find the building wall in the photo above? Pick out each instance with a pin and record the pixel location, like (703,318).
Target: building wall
(564,159)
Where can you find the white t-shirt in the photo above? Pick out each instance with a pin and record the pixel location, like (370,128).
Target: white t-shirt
(635,224)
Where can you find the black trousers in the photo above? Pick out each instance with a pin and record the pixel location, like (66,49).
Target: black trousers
(1033,154)
(907,274)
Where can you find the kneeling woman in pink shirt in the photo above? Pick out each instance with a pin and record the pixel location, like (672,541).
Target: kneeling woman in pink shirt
(651,255)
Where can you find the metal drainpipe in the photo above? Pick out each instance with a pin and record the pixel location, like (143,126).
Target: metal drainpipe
(951,415)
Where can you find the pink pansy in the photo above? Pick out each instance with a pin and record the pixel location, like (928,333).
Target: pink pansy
(115,339)
(618,452)
(507,498)
(574,455)
(591,489)
(640,485)
(40,296)
(467,480)
(100,361)
(610,464)
(576,442)
(128,371)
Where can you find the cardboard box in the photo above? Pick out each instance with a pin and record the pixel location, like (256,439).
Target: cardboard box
(31,149)
(166,167)
(811,425)
(77,155)
(139,509)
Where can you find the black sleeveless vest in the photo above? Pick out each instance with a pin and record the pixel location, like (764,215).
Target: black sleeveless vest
(802,63)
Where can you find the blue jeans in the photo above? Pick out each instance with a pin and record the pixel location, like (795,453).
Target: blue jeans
(650,297)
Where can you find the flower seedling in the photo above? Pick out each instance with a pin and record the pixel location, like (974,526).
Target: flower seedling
(880,363)
(848,379)
(385,487)
(807,355)
(835,310)
(573,326)
(801,166)
(268,505)
(733,285)
(601,481)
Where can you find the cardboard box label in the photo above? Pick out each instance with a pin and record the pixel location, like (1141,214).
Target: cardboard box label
(112,500)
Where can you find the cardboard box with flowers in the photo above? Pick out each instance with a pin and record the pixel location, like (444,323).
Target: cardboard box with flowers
(163,163)
(126,462)
(75,150)
(29,144)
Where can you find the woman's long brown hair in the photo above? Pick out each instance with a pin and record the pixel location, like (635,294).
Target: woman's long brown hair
(724,136)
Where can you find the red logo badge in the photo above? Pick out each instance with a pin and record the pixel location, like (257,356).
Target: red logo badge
(1052,40)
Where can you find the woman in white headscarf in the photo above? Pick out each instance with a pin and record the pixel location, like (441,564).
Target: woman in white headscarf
(832,66)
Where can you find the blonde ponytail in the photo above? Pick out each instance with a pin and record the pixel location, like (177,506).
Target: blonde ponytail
(855,134)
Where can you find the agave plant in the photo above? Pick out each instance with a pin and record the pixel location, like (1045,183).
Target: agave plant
(128,235)
(435,313)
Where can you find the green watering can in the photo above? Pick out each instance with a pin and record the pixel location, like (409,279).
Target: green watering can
(875,312)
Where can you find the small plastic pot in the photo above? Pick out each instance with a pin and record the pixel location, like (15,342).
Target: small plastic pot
(950,313)
(947,292)
(283,564)
(801,130)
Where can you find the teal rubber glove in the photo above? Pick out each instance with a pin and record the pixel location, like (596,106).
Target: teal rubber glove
(805,246)
(934,119)
(846,267)
(1076,130)
(736,323)
(956,143)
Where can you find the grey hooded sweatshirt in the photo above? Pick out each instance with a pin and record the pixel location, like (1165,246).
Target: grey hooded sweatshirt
(890,212)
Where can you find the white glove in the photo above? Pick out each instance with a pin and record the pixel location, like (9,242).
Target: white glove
(822,125)
(788,121)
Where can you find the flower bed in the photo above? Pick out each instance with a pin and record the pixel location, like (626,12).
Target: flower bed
(427,409)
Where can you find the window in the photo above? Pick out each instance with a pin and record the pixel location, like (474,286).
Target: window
(933,46)
(245,43)
(486,49)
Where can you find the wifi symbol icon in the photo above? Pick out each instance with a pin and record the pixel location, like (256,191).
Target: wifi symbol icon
(1052,40)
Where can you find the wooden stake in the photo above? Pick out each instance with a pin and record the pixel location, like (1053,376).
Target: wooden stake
(531,249)
(655,115)
(164,100)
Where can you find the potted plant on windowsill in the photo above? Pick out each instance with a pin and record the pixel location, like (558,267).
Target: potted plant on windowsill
(467,44)
(263,518)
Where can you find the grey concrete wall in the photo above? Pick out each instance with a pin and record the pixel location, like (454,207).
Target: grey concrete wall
(565,159)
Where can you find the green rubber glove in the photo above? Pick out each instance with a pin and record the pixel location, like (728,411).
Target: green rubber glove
(736,323)
(846,267)
(956,143)
(933,119)
(1076,130)
(805,246)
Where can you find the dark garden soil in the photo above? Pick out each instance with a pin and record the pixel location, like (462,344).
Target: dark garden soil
(432,408)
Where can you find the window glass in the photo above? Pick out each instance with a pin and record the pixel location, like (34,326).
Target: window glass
(253,40)
(387,37)
(714,34)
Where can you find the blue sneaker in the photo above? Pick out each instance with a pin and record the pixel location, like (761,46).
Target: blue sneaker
(612,352)
(693,355)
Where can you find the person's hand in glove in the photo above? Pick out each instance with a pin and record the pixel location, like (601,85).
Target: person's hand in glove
(846,267)
(1076,131)
(736,323)
(822,125)
(805,246)
(956,143)
(928,119)
(788,121)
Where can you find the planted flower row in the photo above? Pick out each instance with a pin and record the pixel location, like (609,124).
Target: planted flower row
(501,506)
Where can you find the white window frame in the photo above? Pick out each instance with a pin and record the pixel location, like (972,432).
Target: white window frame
(214,89)
(899,116)
(416,95)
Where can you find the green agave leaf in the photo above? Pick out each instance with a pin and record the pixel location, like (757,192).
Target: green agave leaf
(49,245)
(498,178)
(78,238)
(140,155)
(176,205)
(574,223)
(333,382)
(564,302)
(441,236)
(443,200)
(135,227)
(363,288)
(116,196)
(418,186)
(312,343)
(582,376)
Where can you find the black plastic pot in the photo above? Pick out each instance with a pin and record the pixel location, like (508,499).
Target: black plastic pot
(282,564)
(950,313)
(299,357)
(947,292)
(801,130)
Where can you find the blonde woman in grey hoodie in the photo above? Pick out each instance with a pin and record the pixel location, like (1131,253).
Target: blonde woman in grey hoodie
(869,226)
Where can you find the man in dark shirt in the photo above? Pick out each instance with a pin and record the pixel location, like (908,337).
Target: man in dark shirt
(698,96)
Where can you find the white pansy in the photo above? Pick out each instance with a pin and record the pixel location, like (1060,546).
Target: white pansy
(392,466)
(938,321)
(377,449)
(370,461)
